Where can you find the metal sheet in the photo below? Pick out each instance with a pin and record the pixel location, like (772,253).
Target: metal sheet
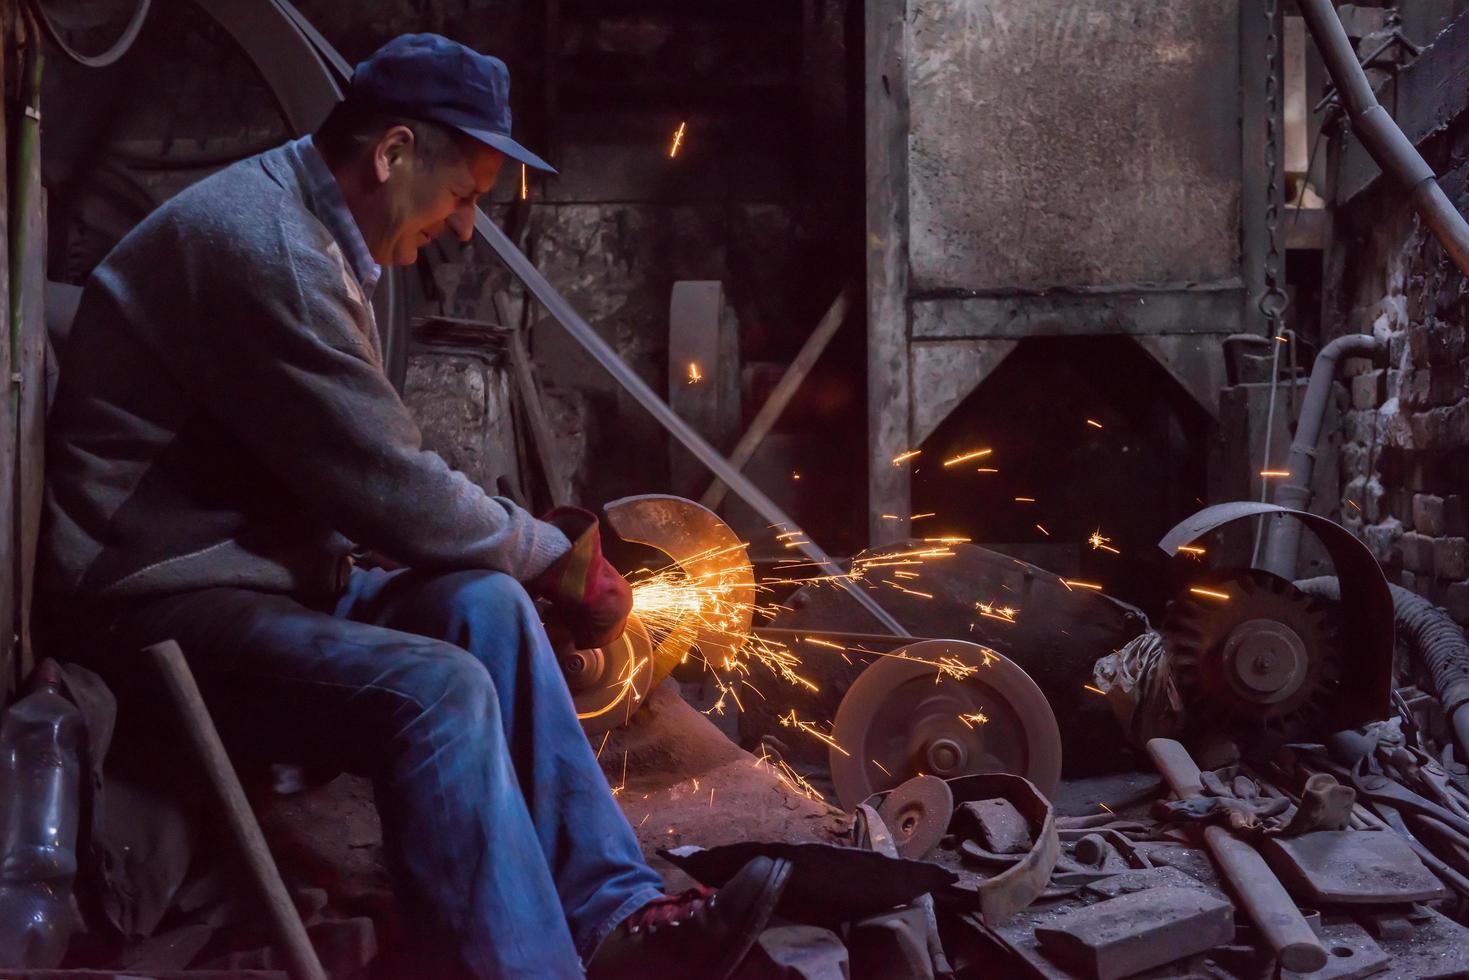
(1211,310)
(1366,604)
(946,373)
(1011,185)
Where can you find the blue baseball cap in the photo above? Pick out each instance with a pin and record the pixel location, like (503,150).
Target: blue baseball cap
(429,77)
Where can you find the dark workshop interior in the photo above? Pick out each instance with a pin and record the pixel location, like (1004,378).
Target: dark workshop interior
(798,489)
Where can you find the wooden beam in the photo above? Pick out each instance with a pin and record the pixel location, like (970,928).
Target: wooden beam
(888,387)
(785,389)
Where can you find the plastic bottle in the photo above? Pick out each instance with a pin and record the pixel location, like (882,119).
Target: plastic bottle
(41,737)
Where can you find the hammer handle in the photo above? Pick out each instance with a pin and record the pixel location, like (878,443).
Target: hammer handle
(1264,898)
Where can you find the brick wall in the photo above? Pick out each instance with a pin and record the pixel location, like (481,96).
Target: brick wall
(1405,454)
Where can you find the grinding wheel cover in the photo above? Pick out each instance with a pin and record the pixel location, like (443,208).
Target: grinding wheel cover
(917,814)
(616,679)
(705,548)
(902,718)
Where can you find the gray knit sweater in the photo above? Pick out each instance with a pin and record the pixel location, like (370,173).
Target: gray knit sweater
(223,419)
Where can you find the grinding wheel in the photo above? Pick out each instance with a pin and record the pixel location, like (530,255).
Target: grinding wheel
(608,684)
(917,814)
(903,717)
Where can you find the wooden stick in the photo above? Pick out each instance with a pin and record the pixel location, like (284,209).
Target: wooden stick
(285,918)
(785,390)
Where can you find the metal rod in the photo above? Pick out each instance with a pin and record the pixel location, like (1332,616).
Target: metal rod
(1380,135)
(784,390)
(580,331)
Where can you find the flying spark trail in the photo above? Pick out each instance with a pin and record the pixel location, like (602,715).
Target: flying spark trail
(1098,542)
(1094,423)
(1190,549)
(790,720)
(976,454)
(1072,583)
(787,776)
(1268,474)
(1094,690)
(976,718)
(1025,500)
(1043,530)
(524,184)
(694,376)
(901,458)
(1210,593)
(677,141)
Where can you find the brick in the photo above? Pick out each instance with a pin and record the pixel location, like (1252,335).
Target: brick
(1426,387)
(1435,344)
(1451,558)
(1136,932)
(1369,389)
(1456,601)
(1354,461)
(1383,541)
(1428,514)
(1456,514)
(1359,426)
(1416,552)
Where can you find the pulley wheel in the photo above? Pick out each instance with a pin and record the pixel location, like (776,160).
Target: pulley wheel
(609,683)
(917,814)
(906,716)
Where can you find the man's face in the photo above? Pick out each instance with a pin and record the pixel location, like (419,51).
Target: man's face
(420,203)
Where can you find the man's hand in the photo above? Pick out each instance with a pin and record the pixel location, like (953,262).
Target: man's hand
(588,596)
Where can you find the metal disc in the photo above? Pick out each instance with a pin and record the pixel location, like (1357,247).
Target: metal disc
(917,814)
(905,716)
(609,684)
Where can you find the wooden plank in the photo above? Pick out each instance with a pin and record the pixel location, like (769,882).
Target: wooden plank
(888,387)
(785,389)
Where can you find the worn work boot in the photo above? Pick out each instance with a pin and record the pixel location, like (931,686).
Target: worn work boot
(700,933)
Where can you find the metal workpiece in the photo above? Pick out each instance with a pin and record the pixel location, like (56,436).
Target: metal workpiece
(1364,613)
(708,551)
(908,714)
(1283,536)
(1381,136)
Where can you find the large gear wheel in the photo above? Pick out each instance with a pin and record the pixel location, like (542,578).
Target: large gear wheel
(903,716)
(1251,653)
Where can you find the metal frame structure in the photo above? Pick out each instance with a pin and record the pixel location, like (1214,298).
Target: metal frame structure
(915,341)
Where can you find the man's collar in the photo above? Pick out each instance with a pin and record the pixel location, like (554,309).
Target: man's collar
(333,211)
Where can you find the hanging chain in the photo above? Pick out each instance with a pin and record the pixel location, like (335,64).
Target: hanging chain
(1274,300)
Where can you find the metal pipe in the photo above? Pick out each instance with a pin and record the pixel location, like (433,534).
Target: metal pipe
(1283,539)
(1380,135)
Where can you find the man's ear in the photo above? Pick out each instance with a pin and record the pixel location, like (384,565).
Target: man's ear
(393,150)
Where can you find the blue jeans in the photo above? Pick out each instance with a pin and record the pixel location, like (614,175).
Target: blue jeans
(509,854)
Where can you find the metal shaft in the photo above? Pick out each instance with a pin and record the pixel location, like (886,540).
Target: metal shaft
(1264,898)
(604,355)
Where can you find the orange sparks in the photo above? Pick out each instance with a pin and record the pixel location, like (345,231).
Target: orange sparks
(1191,549)
(694,376)
(1094,690)
(881,766)
(1094,423)
(524,183)
(919,517)
(677,141)
(1271,473)
(1210,593)
(1353,504)
(976,718)
(1282,338)
(976,454)
(986,469)
(901,458)
(1107,808)
(1072,583)
(1043,530)
(823,643)
(1025,500)
(796,475)
(891,517)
